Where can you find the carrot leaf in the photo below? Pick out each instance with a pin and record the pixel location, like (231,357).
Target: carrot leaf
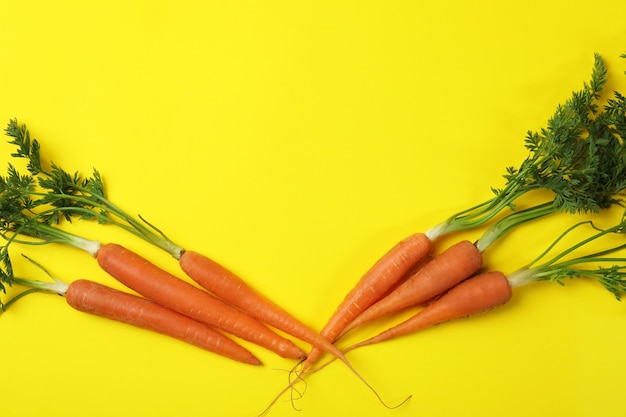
(607,269)
(579,156)
(59,195)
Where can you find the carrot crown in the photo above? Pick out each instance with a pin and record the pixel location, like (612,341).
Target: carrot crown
(55,286)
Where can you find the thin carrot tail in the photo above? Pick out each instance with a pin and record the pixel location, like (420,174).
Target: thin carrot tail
(311,358)
(338,354)
(300,377)
(290,386)
(371,388)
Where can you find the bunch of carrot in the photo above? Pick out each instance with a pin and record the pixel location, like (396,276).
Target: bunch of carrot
(225,303)
(579,157)
(33,205)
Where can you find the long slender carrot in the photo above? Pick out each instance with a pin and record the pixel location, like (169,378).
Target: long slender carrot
(164,288)
(228,286)
(479,293)
(375,283)
(455,264)
(97,299)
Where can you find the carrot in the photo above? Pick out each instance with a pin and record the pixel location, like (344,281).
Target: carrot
(232,289)
(479,293)
(94,298)
(164,288)
(375,283)
(455,264)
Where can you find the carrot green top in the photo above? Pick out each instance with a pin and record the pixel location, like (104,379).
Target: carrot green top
(31,205)
(54,194)
(601,265)
(579,156)
(54,286)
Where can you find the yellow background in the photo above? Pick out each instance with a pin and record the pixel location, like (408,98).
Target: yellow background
(295,142)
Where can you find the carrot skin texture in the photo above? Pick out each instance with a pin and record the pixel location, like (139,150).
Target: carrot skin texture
(480,293)
(168,290)
(232,289)
(376,282)
(455,264)
(97,299)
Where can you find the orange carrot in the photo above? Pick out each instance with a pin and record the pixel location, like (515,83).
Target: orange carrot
(164,288)
(375,283)
(94,298)
(228,286)
(477,294)
(455,264)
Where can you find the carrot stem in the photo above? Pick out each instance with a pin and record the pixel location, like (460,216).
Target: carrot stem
(508,223)
(561,265)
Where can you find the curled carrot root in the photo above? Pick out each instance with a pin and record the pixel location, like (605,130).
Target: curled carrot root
(296,377)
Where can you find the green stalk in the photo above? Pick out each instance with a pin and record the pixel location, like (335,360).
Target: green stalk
(105,212)
(71,196)
(476,216)
(579,156)
(56,286)
(45,234)
(510,222)
(39,234)
(559,267)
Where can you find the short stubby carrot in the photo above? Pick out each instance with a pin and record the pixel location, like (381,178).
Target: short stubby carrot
(172,292)
(455,264)
(97,299)
(373,285)
(477,294)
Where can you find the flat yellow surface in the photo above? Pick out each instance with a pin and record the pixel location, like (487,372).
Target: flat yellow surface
(295,142)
